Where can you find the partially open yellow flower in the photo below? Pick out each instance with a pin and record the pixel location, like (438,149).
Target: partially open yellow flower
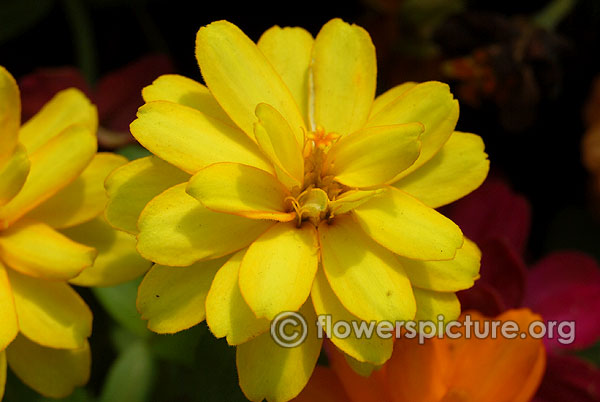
(284,178)
(51,233)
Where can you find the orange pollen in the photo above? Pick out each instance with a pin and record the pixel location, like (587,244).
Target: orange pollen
(323,139)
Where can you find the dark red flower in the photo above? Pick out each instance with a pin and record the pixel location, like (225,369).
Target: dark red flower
(117,95)
(563,287)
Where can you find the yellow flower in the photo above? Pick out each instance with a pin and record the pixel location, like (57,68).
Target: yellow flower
(52,233)
(285,178)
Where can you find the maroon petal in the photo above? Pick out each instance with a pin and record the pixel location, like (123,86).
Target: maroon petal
(483,298)
(40,86)
(119,94)
(569,379)
(493,210)
(565,286)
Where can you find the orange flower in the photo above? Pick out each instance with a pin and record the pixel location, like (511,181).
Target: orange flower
(441,370)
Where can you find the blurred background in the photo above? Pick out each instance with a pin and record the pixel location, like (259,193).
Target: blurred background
(527,75)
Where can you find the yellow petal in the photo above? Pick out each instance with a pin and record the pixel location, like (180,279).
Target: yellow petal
(446,276)
(275,373)
(227,313)
(367,278)
(36,249)
(432,304)
(133,185)
(172,298)
(278,269)
(276,139)
(344,75)
(240,77)
(68,107)
(289,51)
(51,372)
(118,261)
(192,140)
(14,171)
(240,190)
(53,166)
(2,373)
(372,349)
(375,155)
(176,230)
(459,168)
(389,96)
(83,199)
(187,92)
(352,199)
(430,104)
(50,313)
(10,115)
(409,228)
(8,313)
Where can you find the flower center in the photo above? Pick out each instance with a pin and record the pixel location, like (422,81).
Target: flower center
(311,202)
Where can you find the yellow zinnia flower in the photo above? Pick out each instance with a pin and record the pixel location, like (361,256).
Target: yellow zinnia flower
(51,233)
(284,178)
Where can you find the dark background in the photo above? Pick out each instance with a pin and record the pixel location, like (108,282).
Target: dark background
(540,160)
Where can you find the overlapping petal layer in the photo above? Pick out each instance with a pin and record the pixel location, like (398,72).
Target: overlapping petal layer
(51,372)
(83,199)
(117,260)
(268,371)
(192,140)
(54,165)
(69,107)
(240,190)
(227,313)
(172,298)
(289,50)
(344,70)
(277,271)
(187,92)
(276,139)
(446,276)
(50,313)
(375,155)
(240,77)
(8,313)
(365,349)
(457,169)
(430,104)
(37,250)
(409,228)
(10,114)
(367,279)
(13,170)
(132,186)
(176,230)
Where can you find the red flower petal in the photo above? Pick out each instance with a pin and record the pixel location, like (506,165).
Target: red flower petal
(493,210)
(565,286)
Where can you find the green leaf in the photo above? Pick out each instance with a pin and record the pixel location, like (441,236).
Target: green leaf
(18,16)
(218,374)
(131,377)
(119,302)
(591,354)
(178,348)
(16,391)
(133,151)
